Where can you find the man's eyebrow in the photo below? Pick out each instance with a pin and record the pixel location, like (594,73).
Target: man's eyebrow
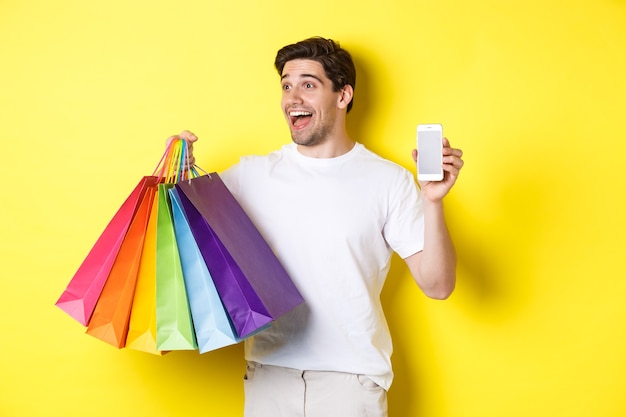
(305,76)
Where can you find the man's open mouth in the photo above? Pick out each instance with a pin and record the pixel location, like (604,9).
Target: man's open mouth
(300,118)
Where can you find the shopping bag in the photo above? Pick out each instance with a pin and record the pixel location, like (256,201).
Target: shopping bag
(112,312)
(211,323)
(253,285)
(174,323)
(81,294)
(245,309)
(142,324)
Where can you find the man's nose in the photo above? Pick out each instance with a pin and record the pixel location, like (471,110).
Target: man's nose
(294,96)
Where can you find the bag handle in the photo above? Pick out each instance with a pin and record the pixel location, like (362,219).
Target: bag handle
(174,166)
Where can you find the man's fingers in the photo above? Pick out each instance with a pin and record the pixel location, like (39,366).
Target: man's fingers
(185,135)
(188,136)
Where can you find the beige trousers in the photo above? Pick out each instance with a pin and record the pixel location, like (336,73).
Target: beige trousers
(273,391)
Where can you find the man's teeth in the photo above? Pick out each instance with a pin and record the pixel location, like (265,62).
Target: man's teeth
(299,113)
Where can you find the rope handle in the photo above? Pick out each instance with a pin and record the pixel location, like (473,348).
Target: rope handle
(174,166)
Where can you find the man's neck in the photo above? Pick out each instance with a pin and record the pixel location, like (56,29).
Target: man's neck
(330,148)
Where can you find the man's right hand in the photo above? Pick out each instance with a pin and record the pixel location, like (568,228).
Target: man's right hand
(188,137)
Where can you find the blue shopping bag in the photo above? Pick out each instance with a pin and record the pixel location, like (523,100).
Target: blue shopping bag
(211,322)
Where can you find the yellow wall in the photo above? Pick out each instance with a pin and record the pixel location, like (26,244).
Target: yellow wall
(533,91)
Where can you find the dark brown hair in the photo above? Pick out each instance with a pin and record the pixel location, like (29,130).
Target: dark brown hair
(335,60)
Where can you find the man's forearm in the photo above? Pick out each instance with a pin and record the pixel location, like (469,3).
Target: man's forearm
(437,267)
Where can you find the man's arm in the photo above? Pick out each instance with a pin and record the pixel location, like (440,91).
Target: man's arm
(434,268)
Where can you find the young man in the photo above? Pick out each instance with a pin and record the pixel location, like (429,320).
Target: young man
(333,212)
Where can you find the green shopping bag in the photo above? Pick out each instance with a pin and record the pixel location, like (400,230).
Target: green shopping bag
(174,324)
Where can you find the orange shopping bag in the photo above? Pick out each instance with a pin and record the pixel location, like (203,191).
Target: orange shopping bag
(112,313)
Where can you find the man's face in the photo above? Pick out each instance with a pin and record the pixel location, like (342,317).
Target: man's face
(308,101)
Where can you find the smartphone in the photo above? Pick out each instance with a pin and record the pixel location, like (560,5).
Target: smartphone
(429,152)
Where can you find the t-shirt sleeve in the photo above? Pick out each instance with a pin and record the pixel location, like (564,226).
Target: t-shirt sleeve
(404,229)
(230,178)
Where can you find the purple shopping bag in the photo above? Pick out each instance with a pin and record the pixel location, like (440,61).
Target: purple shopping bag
(253,285)
(211,322)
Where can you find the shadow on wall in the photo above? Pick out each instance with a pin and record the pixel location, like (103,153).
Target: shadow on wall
(366,112)
(503,241)
(501,245)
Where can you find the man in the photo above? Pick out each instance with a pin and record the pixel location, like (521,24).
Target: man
(333,212)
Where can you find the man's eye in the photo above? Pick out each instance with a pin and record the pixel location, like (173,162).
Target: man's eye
(309,85)
(286,87)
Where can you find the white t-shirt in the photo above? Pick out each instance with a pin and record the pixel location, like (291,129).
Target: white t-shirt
(333,224)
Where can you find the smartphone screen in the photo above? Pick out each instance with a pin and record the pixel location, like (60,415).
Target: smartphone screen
(429,146)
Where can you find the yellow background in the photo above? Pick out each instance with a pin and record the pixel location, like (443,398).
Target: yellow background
(533,91)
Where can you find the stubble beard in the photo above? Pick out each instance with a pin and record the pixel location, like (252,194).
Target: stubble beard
(317,136)
(312,139)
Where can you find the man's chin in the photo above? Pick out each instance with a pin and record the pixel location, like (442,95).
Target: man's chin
(300,139)
(306,139)
(301,142)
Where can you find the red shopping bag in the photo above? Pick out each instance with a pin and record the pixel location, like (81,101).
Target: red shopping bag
(81,294)
(112,313)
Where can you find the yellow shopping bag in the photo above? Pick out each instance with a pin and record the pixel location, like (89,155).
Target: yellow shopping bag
(142,327)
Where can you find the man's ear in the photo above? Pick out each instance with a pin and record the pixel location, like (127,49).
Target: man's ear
(345,96)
